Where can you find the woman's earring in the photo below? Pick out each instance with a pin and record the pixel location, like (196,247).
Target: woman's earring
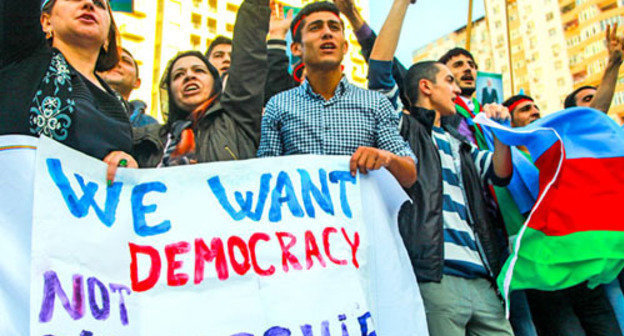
(49,34)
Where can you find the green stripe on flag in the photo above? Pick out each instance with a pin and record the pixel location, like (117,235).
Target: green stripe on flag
(512,217)
(557,262)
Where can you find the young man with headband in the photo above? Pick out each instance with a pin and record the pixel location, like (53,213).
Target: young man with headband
(327,115)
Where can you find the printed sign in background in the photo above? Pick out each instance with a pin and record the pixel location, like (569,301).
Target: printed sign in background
(260,247)
(489,87)
(122,5)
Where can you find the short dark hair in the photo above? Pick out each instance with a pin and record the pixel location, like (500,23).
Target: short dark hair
(136,66)
(512,100)
(108,58)
(422,70)
(217,41)
(570,100)
(455,52)
(299,21)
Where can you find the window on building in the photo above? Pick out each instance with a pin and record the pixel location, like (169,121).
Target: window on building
(558,65)
(532,42)
(231,8)
(552,31)
(560,81)
(500,40)
(579,76)
(568,8)
(488,64)
(534,57)
(229,27)
(618,99)
(556,49)
(212,4)
(550,16)
(196,20)
(212,25)
(195,41)
(196,3)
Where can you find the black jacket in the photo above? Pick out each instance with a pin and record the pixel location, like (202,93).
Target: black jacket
(421,223)
(278,78)
(99,123)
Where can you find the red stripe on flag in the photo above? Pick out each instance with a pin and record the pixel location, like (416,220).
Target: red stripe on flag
(547,163)
(587,195)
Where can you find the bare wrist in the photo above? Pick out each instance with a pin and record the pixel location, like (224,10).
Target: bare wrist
(355,19)
(615,60)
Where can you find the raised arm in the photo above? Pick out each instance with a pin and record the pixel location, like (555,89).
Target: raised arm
(386,44)
(604,94)
(501,159)
(278,78)
(347,7)
(243,98)
(367,38)
(20,30)
(381,70)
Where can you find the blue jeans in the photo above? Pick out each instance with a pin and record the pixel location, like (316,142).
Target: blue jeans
(573,311)
(520,315)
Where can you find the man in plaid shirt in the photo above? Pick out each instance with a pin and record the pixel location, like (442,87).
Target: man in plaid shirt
(329,116)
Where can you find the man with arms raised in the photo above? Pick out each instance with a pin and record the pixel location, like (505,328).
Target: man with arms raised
(600,97)
(326,114)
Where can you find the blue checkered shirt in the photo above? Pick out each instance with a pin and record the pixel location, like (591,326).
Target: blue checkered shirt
(299,121)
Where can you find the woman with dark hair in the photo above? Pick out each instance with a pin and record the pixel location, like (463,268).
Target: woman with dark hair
(203,124)
(50,52)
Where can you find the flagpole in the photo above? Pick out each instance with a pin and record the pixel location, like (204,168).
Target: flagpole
(469,25)
(511,74)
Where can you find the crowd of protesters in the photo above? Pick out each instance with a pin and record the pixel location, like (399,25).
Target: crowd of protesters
(63,75)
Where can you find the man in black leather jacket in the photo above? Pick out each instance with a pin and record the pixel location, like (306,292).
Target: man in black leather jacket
(448,234)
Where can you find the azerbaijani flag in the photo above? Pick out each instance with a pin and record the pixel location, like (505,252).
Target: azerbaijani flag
(575,231)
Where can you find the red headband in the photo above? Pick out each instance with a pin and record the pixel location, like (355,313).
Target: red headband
(513,106)
(298,68)
(294,31)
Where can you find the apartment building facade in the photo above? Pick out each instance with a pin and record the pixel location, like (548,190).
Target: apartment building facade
(556,46)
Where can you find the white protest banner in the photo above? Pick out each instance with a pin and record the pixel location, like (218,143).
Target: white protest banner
(17,162)
(283,246)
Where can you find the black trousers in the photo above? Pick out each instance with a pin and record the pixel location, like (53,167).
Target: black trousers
(573,311)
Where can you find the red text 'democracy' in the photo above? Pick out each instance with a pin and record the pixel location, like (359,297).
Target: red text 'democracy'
(236,256)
